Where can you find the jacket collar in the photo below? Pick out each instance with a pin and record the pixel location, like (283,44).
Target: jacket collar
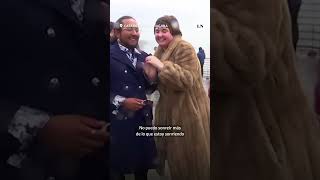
(119,55)
(125,49)
(164,54)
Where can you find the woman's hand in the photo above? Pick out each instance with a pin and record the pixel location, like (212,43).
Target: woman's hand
(155,62)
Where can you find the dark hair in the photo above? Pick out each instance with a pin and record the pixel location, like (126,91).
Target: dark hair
(120,21)
(111,25)
(172,24)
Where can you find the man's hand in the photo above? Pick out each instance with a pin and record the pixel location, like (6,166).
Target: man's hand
(133,104)
(73,135)
(150,71)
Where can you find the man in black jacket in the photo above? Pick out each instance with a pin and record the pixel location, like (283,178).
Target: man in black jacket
(53,95)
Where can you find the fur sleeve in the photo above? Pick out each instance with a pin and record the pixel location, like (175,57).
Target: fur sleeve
(180,72)
(239,54)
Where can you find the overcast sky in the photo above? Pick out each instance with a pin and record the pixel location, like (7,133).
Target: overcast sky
(190,14)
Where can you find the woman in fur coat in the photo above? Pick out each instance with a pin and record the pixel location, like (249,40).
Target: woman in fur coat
(183,102)
(263,127)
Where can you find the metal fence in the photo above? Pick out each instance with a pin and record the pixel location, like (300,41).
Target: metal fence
(206,69)
(309,25)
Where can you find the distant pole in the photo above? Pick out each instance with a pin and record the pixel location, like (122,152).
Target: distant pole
(312,52)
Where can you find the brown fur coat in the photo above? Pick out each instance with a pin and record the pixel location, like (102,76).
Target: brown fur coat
(263,128)
(183,102)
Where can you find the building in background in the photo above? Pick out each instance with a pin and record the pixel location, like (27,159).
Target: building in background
(309,26)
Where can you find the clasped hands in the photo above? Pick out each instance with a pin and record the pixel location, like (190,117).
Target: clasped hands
(152,66)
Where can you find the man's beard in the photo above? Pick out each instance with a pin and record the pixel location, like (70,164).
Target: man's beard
(131,46)
(127,45)
(113,39)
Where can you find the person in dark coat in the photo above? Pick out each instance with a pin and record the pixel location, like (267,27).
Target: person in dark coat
(113,38)
(201,56)
(53,95)
(131,151)
(294,8)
